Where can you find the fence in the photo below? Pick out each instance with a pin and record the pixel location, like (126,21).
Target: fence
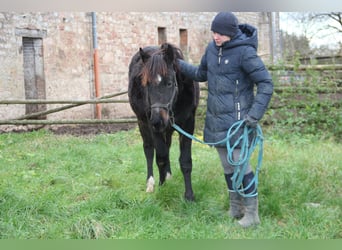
(27,119)
(322,82)
(294,82)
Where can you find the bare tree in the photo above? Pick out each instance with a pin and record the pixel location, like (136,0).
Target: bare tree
(322,30)
(335,17)
(294,45)
(311,24)
(333,25)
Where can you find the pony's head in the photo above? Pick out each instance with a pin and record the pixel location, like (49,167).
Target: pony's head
(158,76)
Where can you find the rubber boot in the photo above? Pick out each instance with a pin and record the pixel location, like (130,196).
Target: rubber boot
(251,217)
(236,209)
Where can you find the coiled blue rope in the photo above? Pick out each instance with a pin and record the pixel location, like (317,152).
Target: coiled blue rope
(246,147)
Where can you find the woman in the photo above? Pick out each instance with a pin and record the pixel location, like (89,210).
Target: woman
(232,68)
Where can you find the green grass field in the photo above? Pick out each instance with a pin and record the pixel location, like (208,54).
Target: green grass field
(67,187)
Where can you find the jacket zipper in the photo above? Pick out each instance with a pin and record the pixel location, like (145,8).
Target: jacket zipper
(237,104)
(219,56)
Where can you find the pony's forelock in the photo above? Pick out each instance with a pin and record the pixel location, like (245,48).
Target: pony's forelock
(156,65)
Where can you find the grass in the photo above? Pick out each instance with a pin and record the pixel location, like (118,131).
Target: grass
(66,187)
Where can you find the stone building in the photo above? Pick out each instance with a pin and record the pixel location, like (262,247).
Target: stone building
(49,55)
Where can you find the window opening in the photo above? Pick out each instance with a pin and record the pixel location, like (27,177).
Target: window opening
(183,39)
(161,35)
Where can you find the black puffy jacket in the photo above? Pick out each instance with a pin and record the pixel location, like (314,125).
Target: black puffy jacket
(232,70)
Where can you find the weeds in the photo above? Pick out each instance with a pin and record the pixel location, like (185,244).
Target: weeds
(60,187)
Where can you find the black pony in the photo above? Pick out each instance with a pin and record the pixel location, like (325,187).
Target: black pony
(160,96)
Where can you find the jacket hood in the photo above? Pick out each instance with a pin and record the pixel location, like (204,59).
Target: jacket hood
(246,35)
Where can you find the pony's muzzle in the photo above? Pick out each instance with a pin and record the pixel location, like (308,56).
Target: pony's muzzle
(159,118)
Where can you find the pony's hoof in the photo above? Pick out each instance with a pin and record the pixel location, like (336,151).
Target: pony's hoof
(189,197)
(168,176)
(150,185)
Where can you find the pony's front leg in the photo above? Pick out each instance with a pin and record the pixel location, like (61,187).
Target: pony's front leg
(149,154)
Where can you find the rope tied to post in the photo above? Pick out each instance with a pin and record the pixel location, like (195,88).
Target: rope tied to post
(247,142)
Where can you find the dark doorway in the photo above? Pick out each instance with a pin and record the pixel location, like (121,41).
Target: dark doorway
(34,74)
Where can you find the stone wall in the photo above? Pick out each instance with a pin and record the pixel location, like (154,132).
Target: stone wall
(68,52)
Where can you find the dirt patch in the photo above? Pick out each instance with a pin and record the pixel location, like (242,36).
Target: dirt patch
(79,130)
(76,130)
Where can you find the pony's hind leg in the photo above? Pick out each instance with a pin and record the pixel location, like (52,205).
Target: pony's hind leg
(185,161)
(164,169)
(162,146)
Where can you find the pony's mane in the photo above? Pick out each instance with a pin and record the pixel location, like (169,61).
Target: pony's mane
(156,65)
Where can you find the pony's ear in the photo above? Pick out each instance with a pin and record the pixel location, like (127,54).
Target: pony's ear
(168,53)
(144,56)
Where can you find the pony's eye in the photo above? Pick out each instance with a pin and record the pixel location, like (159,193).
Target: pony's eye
(169,84)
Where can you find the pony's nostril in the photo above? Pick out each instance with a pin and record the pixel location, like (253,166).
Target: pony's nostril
(154,120)
(157,126)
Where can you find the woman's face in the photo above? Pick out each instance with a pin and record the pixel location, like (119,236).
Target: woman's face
(220,39)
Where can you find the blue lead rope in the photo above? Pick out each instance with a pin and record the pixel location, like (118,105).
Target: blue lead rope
(247,148)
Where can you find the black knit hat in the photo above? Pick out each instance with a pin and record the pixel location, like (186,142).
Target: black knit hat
(225,23)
